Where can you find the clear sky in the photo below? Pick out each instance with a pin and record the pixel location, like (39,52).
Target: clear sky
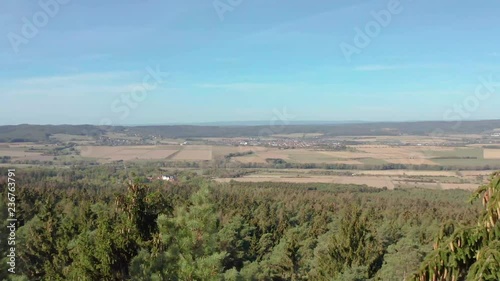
(95,61)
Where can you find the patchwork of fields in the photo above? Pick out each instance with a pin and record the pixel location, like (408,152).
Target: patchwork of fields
(24,151)
(380,179)
(381,154)
(146,152)
(372,156)
(355,155)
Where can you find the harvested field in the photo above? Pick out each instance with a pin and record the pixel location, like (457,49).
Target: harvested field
(370,181)
(313,156)
(250,159)
(373,181)
(492,154)
(410,155)
(466,186)
(221,151)
(369,154)
(114,153)
(18,152)
(194,155)
(407,173)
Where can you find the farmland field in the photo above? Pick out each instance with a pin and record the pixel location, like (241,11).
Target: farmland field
(492,153)
(114,153)
(374,181)
(369,154)
(19,152)
(378,161)
(195,152)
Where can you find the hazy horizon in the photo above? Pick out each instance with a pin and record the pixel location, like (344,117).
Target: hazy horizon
(272,122)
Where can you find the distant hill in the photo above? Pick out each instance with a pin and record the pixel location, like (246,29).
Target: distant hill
(267,123)
(28,133)
(25,133)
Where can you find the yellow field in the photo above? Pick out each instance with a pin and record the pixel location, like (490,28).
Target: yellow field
(410,155)
(221,151)
(151,152)
(251,159)
(373,181)
(19,154)
(194,152)
(492,154)
(406,173)
(114,153)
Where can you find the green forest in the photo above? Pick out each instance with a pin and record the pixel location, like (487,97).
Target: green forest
(108,223)
(42,133)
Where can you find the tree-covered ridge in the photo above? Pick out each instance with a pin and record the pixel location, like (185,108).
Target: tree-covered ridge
(102,227)
(40,133)
(473,252)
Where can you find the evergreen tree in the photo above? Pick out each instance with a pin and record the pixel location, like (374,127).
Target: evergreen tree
(354,244)
(236,240)
(471,253)
(190,243)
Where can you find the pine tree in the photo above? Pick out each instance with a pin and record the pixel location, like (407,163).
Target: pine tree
(354,244)
(286,260)
(236,239)
(190,244)
(471,253)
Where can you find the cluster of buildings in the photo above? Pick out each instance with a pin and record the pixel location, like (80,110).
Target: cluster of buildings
(103,140)
(162,178)
(278,142)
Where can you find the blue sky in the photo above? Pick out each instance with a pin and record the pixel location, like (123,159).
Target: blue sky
(235,60)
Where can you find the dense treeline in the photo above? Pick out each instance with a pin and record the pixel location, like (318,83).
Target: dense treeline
(25,133)
(281,164)
(42,133)
(278,163)
(93,224)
